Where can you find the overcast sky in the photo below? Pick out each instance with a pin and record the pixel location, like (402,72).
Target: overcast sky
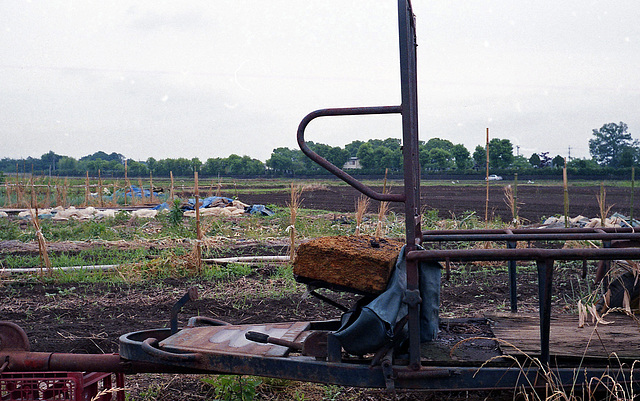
(211,78)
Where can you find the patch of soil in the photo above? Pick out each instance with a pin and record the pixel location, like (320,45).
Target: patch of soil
(535,201)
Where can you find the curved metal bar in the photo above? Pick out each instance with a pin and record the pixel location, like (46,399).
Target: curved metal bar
(148,346)
(349,111)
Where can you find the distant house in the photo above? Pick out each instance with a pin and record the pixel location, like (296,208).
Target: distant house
(352,163)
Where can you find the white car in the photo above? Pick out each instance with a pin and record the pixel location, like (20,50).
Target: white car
(493,177)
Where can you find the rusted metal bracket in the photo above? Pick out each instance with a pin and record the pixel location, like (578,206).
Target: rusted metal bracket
(191,295)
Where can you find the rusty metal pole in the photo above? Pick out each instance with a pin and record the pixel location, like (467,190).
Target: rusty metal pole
(408,76)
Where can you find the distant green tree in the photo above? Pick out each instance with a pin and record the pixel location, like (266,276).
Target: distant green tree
(434,143)
(520,163)
(114,168)
(352,148)
(181,167)
(151,164)
(439,159)
(213,166)
(366,156)
(629,156)
(480,156)
(68,165)
(252,167)
(333,154)
(558,161)
(50,160)
(103,156)
(500,153)
(583,164)
(94,165)
(196,164)
(534,160)
(136,169)
(461,156)
(286,161)
(613,146)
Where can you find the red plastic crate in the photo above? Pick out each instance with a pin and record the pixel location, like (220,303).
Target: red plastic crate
(59,386)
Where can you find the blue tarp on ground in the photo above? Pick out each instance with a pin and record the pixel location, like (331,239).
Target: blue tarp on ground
(134,191)
(259,209)
(211,201)
(219,201)
(161,206)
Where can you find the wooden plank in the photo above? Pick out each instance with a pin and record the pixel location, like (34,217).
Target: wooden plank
(522,331)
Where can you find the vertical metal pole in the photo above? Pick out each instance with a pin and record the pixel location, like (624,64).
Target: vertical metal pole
(408,78)
(513,285)
(545,279)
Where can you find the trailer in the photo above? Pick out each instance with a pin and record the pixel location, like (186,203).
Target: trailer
(417,350)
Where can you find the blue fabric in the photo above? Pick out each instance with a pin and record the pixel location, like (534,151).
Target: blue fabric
(259,209)
(207,202)
(367,330)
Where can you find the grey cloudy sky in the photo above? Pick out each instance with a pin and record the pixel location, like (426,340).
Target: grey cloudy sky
(211,78)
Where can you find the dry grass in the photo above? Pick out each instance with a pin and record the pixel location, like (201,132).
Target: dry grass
(602,205)
(197,249)
(383,208)
(293,204)
(362,204)
(108,391)
(512,202)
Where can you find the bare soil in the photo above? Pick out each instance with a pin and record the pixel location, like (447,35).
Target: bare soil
(535,201)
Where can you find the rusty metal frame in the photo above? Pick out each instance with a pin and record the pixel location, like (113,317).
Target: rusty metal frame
(142,352)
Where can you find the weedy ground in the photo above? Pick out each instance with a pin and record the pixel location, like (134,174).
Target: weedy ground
(88,310)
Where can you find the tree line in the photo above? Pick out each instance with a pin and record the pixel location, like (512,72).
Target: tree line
(612,150)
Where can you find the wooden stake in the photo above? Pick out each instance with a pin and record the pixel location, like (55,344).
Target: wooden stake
(47,201)
(7,199)
(58,189)
(86,190)
(151,186)
(100,189)
(171,188)
(19,198)
(565,184)
(486,205)
(633,181)
(42,246)
(126,183)
(114,195)
(516,219)
(142,201)
(198,229)
(65,195)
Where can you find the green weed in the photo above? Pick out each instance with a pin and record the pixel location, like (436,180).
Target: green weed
(233,388)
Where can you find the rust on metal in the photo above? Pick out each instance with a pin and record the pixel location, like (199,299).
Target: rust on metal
(232,339)
(13,338)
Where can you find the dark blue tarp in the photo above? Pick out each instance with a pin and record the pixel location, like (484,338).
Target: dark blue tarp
(259,209)
(211,201)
